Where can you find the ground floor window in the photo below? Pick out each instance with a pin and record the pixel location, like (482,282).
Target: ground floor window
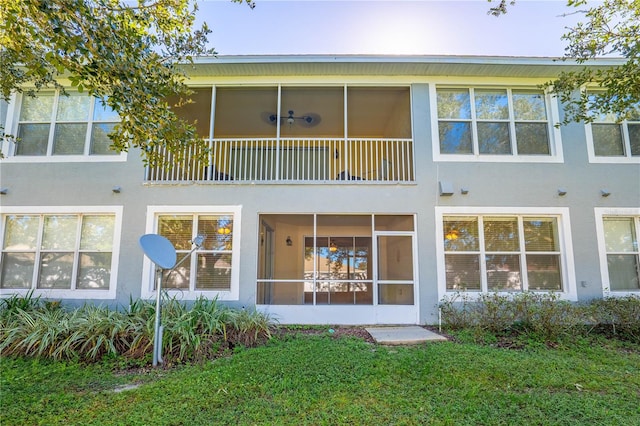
(60,251)
(210,270)
(336,260)
(618,233)
(502,251)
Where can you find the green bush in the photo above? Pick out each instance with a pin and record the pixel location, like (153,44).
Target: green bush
(540,317)
(619,316)
(191,333)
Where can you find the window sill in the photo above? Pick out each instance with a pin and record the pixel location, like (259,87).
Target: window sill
(66,159)
(471,158)
(60,293)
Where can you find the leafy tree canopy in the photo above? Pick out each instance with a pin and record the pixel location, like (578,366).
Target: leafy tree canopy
(610,28)
(125,53)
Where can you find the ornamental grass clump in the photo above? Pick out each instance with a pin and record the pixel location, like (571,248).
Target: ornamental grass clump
(202,330)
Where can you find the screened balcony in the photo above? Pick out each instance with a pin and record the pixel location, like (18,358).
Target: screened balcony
(319,134)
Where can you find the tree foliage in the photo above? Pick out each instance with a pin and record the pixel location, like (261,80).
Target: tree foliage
(127,54)
(611,28)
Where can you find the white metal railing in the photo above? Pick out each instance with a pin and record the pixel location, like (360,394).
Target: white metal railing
(290,160)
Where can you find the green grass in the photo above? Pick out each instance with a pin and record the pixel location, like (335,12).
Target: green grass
(323,380)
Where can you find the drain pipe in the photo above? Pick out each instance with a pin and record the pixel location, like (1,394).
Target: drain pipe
(439,319)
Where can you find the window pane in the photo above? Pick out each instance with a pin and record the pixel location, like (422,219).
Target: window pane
(59,232)
(395,294)
(361,259)
(395,258)
(38,108)
(287,293)
(104,113)
(454,103)
(177,229)
(503,272)
(33,139)
(462,271)
(394,222)
(94,271)
(69,139)
(56,270)
(620,234)
(634,139)
(21,232)
(179,278)
(607,139)
(492,104)
(529,106)
(532,138)
(623,272)
(501,234)
(493,138)
(460,234)
(17,270)
(543,271)
(97,233)
(541,234)
(455,137)
(214,271)
(219,232)
(100,141)
(74,107)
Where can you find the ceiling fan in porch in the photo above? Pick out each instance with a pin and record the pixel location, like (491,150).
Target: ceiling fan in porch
(306,120)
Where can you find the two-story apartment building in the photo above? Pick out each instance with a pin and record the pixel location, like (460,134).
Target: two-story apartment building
(339,189)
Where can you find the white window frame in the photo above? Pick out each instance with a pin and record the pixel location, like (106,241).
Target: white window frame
(11,128)
(626,158)
(116,211)
(148,271)
(569,291)
(600,214)
(551,106)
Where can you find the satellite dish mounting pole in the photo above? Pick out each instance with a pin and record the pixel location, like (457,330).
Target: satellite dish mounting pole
(157,329)
(161,252)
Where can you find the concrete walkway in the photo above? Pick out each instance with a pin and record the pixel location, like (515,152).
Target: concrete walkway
(403,335)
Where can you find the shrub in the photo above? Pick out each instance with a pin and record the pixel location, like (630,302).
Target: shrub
(540,317)
(617,316)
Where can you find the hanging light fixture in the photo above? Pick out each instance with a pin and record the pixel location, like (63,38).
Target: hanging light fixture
(333,247)
(453,234)
(224,230)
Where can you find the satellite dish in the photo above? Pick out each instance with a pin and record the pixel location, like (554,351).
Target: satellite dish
(159,250)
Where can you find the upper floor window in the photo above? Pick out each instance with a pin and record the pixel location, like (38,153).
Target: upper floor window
(612,140)
(493,124)
(62,252)
(52,124)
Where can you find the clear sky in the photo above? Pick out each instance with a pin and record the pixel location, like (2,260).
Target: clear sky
(426,27)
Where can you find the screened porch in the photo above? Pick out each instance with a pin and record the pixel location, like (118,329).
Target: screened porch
(283,134)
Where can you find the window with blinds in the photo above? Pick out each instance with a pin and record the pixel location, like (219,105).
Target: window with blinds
(502,253)
(623,255)
(66,251)
(209,268)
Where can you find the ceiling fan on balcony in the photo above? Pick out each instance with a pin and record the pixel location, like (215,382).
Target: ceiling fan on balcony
(306,120)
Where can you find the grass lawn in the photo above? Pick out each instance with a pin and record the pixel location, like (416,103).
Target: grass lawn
(302,379)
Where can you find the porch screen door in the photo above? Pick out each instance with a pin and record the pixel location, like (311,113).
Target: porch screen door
(395,270)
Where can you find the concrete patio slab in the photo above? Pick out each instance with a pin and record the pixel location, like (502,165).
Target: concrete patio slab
(403,335)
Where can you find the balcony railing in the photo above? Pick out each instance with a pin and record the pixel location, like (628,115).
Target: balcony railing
(290,160)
